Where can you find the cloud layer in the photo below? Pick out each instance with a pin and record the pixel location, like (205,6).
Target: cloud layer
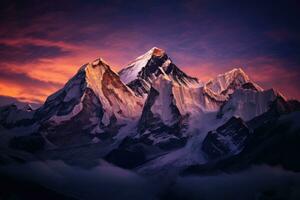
(109,182)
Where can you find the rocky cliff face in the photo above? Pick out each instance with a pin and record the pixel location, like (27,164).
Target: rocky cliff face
(228,139)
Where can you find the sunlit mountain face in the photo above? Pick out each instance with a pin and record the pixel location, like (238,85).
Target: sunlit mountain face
(149,100)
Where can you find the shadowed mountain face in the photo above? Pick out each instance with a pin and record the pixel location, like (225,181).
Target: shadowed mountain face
(226,140)
(154,118)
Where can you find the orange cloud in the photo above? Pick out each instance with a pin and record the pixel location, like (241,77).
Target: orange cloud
(55,72)
(23,93)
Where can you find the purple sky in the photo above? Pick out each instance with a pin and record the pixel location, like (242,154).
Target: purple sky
(43,43)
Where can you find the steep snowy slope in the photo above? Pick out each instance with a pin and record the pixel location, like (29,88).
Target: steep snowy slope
(93,79)
(198,112)
(226,140)
(170,101)
(163,105)
(95,98)
(241,97)
(132,71)
(247,104)
(230,94)
(140,73)
(161,119)
(170,108)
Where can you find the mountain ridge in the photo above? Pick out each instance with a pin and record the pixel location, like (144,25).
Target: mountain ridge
(156,115)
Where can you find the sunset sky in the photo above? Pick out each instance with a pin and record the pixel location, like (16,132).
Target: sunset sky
(42,44)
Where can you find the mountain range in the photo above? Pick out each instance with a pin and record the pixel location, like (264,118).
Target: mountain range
(152,117)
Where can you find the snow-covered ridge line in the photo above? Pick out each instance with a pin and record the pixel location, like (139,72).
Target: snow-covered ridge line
(225,84)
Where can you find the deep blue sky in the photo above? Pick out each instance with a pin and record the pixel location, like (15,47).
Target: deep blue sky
(42,43)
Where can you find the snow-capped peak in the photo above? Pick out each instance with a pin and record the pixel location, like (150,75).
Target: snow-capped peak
(226,83)
(97,63)
(157,51)
(237,71)
(140,74)
(94,83)
(131,71)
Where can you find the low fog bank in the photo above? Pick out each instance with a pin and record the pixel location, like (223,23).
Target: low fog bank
(259,182)
(104,181)
(109,182)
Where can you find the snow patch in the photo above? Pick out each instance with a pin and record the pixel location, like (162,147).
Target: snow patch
(62,118)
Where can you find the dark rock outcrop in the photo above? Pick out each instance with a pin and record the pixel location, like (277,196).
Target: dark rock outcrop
(226,140)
